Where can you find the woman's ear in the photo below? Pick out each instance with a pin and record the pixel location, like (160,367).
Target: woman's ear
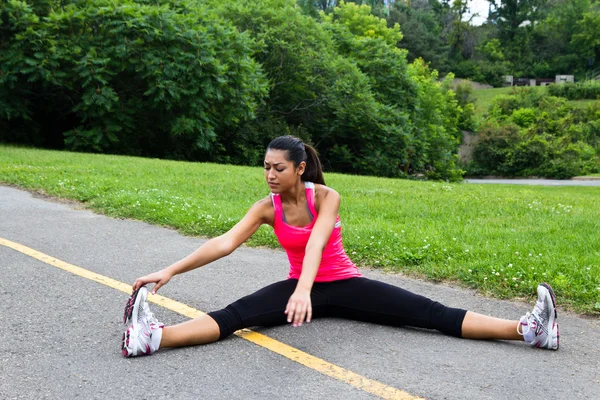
(301,168)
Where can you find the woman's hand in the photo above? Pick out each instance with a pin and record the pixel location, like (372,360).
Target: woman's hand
(160,278)
(299,307)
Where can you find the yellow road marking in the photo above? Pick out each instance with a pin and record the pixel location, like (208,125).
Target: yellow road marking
(322,366)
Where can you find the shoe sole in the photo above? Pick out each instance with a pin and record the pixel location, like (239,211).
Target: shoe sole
(125,344)
(553,316)
(133,305)
(130,337)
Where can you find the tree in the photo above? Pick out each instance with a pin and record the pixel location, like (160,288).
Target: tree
(587,38)
(422,32)
(510,15)
(552,40)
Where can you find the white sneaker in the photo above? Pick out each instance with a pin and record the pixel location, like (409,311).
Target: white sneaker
(142,336)
(542,320)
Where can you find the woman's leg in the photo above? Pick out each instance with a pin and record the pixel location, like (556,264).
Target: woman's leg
(372,301)
(478,326)
(201,330)
(539,327)
(263,308)
(378,302)
(145,334)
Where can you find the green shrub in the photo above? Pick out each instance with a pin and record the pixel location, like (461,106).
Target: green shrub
(466,101)
(124,77)
(576,91)
(215,81)
(528,155)
(535,135)
(520,98)
(574,159)
(482,71)
(524,117)
(494,150)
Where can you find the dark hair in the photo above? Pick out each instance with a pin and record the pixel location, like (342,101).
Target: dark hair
(298,151)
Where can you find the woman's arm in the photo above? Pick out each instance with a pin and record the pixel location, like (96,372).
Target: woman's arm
(299,306)
(215,248)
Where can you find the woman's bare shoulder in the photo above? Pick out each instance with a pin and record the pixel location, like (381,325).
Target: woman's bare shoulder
(322,192)
(265,209)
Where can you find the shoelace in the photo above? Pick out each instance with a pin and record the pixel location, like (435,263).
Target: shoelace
(524,321)
(150,318)
(538,310)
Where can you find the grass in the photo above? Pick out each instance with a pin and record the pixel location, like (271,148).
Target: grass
(485,96)
(500,239)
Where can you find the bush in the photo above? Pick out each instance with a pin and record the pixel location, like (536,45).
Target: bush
(523,117)
(215,81)
(574,159)
(528,155)
(466,101)
(124,77)
(520,98)
(576,91)
(482,71)
(551,140)
(493,152)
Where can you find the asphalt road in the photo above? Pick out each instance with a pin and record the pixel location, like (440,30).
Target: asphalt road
(61,333)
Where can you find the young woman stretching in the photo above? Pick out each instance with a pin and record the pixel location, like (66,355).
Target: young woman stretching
(322,281)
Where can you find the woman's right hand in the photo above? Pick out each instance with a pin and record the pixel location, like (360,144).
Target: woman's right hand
(160,278)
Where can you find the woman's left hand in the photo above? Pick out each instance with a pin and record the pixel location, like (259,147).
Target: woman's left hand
(299,307)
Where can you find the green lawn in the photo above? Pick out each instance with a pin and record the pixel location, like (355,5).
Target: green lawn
(500,239)
(485,96)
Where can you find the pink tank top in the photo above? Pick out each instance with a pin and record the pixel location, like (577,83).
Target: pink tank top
(335,264)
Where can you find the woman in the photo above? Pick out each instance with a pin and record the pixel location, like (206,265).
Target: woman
(322,281)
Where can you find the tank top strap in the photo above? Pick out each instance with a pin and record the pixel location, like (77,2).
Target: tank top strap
(310,197)
(278,208)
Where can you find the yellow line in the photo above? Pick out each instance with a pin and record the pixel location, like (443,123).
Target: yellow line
(322,366)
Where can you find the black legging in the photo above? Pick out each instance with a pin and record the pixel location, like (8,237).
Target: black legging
(358,299)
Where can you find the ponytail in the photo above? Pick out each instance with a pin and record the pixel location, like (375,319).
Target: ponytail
(296,152)
(314,170)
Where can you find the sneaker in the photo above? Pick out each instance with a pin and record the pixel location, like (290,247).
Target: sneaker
(140,338)
(133,304)
(542,320)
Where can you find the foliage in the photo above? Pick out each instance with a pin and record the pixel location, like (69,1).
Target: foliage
(482,71)
(360,22)
(215,81)
(524,117)
(577,90)
(466,100)
(529,38)
(126,77)
(552,40)
(586,37)
(532,134)
(422,32)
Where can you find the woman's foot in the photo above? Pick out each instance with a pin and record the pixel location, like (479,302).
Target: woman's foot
(144,332)
(539,327)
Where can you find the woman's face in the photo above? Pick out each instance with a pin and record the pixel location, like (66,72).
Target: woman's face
(280,174)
